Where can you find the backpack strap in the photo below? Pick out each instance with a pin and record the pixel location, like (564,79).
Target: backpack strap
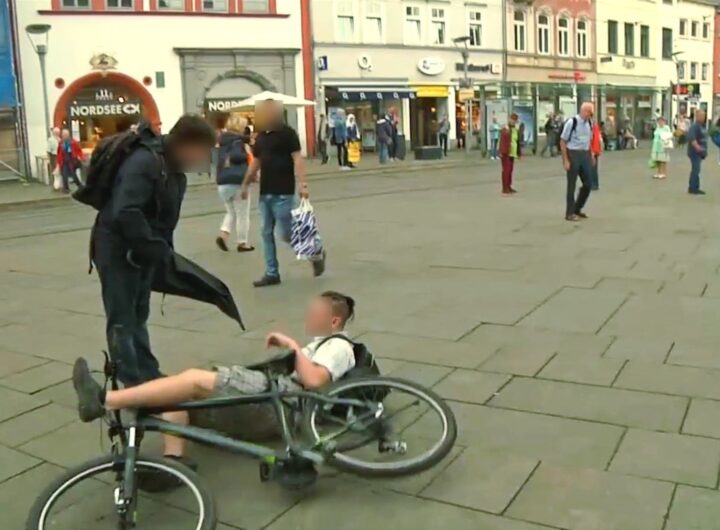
(335,336)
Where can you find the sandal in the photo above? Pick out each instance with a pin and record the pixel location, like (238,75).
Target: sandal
(244,247)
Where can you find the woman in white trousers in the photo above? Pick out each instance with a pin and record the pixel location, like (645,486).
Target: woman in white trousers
(233,160)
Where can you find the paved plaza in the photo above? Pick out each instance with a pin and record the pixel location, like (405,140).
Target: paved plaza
(582,360)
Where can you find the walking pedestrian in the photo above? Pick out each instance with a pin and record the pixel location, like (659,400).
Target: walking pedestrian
(510,150)
(394,120)
(53,142)
(697,151)
(232,165)
(323,135)
(596,148)
(278,157)
(353,138)
(494,138)
(661,145)
(443,131)
(577,160)
(550,136)
(69,158)
(384,133)
(340,138)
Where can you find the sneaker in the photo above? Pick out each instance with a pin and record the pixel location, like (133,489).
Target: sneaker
(696,192)
(221,243)
(266,281)
(156,481)
(88,391)
(318,265)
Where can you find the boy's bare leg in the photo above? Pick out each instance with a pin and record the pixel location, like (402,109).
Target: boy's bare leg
(174,446)
(190,384)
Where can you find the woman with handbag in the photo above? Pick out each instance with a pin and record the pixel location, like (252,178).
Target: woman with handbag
(233,161)
(69,158)
(353,141)
(661,146)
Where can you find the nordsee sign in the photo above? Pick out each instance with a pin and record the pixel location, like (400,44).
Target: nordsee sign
(221,105)
(81,110)
(431,66)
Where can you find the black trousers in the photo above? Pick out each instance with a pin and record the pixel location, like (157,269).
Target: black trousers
(342,154)
(443,142)
(126,297)
(322,150)
(68,173)
(580,167)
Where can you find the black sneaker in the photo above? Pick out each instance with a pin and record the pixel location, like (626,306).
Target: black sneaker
(318,265)
(88,391)
(266,281)
(156,481)
(297,474)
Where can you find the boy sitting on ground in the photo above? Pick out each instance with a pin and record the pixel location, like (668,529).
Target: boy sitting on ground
(321,362)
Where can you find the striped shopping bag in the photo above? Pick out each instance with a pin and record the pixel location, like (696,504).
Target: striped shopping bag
(304,236)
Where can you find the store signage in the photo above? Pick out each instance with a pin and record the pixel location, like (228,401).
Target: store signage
(104,94)
(628,64)
(494,68)
(465,94)
(686,89)
(431,66)
(373,95)
(103,62)
(87,110)
(222,105)
(322,63)
(577,77)
(431,91)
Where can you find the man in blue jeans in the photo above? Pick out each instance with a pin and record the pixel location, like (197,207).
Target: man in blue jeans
(279,160)
(697,151)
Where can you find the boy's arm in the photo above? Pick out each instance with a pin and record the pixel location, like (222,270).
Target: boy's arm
(311,375)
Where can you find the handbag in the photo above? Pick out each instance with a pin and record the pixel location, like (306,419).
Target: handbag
(304,237)
(57,179)
(354,152)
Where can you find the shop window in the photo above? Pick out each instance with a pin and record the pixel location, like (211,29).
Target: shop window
(220,6)
(543,44)
(256,6)
(644,41)
(413,25)
(705,68)
(171,5)
(683,27)
(694,26)
(563,36)
(76,4)
(475,28)
(681,69)
(519,31)
(693,71)
(629,39)
(582,38)
(120,4)
(612,36)
(438,25)
(345,21)
(373,22)
(706,30)
(667,43)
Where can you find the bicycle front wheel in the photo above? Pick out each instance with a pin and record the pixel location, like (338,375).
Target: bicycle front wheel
(397,427)
(85,498)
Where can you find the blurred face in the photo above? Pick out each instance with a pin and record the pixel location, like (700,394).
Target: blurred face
(700,116)
(191,156)
(268,114)
(661,122)
(56,131)
(65,134)
(586,111)
(319,319)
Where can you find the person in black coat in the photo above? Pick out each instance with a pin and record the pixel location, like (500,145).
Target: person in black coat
(133,235)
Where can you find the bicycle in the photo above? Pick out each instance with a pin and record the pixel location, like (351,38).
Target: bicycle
(350,415)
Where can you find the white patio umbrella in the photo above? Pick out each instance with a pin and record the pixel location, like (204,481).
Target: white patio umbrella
(287,101)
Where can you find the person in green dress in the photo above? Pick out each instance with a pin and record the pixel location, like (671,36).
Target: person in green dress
(661,146)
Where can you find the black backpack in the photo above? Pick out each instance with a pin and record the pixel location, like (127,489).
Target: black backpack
(105,162)
(365,364)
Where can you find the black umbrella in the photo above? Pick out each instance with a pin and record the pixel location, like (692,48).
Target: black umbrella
(181,277)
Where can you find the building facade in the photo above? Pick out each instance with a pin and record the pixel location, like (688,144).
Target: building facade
(716,67)
(181,56)
(13,163)
(550,57)
(373,56)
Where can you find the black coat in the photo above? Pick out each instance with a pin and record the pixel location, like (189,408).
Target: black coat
(143,210)
(232,159)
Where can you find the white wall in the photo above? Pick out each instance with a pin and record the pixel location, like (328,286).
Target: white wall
(143,45)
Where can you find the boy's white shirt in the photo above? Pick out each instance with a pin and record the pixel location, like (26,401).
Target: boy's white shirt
(336,355)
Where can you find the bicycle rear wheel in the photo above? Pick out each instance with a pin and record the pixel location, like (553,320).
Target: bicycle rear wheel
(401,428)
(84,498)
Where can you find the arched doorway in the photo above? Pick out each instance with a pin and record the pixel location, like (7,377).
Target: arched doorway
(227,89)
(98,105)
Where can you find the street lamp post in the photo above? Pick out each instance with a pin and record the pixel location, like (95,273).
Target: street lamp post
(466,83)
(39,37)
(676,91)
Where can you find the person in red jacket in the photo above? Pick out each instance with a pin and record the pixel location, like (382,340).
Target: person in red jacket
(595,150)
(510,147)
(69,157)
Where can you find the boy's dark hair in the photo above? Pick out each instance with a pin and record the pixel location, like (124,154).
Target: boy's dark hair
(342,305)
(192,129)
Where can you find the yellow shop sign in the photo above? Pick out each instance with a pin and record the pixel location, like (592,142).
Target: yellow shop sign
(431,91)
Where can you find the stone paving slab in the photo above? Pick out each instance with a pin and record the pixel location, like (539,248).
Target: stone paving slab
(496,479)
(470,386)
(578,310)
(694,509)
(13,463)
(642,349)
(619,407)
(703,418)
(592,500)
(702,354)
(16,403)
(36,423)
(37,378)
(16,362)
(667,379)
(18,493)
(536,436)
(573,368)
(673,457)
